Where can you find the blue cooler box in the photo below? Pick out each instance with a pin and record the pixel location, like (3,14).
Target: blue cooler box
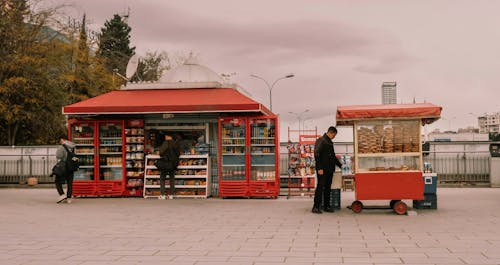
(430,181)
(334,199)
(429,202)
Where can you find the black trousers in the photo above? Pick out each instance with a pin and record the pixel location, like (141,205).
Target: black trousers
(171,176)
(60,181)
(323,189)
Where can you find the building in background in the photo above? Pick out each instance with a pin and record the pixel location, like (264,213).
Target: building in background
(489,123)
(463,135)
(389,93)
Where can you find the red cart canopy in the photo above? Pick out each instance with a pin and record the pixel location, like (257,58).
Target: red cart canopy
(426,111)
(167,101)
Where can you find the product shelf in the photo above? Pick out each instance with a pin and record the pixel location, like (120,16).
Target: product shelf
(180,190)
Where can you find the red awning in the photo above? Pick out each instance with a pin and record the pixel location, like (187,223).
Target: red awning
(425,111)
(167,101)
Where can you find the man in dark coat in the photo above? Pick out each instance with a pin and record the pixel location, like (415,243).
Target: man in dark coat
(62,155)
(324,154)
(169,151)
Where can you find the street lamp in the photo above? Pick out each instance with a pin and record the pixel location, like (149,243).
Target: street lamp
(478,125)
(449,122)
(299,116)
(270,87)
(476,117)
(307,121)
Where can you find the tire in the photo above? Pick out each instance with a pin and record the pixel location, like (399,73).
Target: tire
(357,206)
(392,203)
(400,208)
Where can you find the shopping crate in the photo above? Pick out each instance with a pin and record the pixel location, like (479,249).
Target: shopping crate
(334,199)
(429,202)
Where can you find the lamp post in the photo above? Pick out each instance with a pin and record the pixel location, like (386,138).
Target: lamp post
(476,116)
(270,87)
(473,129)
(299,116)
(307,121)
(449,122)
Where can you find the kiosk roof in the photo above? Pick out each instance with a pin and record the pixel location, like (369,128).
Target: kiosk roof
(428,112)
(167,101)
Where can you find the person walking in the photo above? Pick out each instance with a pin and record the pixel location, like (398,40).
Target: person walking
(169,156)
(326,160)
(62,155)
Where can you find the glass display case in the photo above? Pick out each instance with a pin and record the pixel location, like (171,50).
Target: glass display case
(248,157)
(388,145)
(233,150)
(263,150)
(82,134)
(99,146)
(110,151)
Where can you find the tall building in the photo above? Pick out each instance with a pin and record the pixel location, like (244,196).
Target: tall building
(489,123)
(389,93)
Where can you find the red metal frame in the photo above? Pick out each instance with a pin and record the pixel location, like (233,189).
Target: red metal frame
(307,184)
(98,187)
(232,188)
(85,187)
(112,187)
(264,188)
(248,187)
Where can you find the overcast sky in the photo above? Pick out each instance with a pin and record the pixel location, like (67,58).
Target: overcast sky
(443,52)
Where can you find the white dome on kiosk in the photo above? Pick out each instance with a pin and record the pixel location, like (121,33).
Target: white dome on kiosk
(188,75)
(191,72)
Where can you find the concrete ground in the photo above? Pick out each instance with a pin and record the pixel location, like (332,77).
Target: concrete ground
(35,230)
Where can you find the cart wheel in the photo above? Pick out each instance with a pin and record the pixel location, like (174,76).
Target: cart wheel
(400,207)
(357,206)
(392,203)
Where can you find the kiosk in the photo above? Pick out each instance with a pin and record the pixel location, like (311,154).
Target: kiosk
(388,151)
(229,142)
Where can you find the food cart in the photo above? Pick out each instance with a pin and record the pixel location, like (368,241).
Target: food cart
(388,151)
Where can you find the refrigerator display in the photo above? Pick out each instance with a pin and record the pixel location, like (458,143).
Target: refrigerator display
(110,151)
(248,157)
(263,150)
(233,150)
(83,136)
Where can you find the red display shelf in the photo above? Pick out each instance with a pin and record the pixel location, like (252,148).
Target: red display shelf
(248,157)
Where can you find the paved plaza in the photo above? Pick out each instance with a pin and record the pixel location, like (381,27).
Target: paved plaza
(96,231)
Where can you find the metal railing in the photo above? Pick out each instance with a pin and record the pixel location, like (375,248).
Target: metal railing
(460,167)
(451,167)
(17,168)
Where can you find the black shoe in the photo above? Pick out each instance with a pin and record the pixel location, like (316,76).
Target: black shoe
(316,210)
(329,209)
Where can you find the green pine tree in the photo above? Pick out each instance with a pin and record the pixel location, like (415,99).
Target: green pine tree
(114,44)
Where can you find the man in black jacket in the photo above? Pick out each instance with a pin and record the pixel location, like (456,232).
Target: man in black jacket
(324,154)
(169,153)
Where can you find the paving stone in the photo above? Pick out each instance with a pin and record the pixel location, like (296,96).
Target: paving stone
(102,231)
